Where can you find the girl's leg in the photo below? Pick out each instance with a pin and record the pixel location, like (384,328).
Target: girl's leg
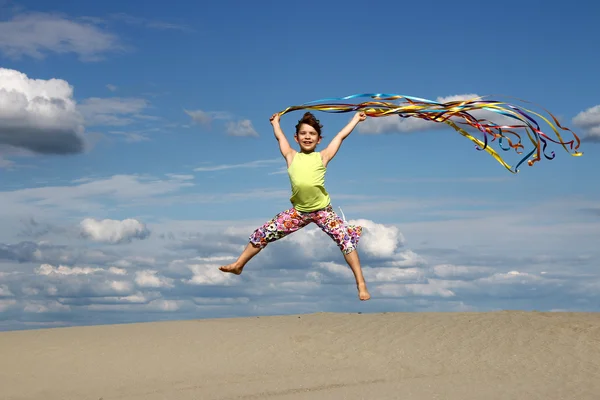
(283,224)
(346,237)
(236,267)
(354,263)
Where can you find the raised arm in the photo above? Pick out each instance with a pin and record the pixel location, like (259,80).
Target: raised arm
(286,150)
(330,151)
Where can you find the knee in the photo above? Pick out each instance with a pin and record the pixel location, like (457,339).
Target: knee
(348,249)
(258,238)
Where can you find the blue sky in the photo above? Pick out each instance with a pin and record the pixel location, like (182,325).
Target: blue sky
(121,206)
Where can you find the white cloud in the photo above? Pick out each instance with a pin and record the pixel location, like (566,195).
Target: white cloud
(376,275)
(510,277)
(200,117)
(37,34)
(206,117)
(47,269)
(449,271)
(406,258)
(379,240)
(589,120)
(336,269)
(373,275)
(72,285)
(208,274)
(240,128)
(249,164)
(39,115)
(151,279)
(5,291)
(113,111)
(117,271)
(113,231)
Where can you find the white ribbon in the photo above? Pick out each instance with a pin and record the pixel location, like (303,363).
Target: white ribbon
(343,216)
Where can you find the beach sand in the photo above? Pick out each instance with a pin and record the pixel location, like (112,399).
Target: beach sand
(450,356)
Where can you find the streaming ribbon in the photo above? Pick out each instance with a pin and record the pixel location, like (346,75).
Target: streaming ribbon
(454,113)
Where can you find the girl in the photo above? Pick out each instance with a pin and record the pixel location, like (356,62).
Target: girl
(310,201)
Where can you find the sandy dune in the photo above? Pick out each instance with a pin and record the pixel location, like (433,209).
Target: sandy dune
(462,356)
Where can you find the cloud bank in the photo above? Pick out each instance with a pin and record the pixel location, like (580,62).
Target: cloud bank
(60,278)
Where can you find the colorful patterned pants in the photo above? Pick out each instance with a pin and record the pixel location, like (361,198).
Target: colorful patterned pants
(289,221)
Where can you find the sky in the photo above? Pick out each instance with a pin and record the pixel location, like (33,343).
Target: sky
(136,157)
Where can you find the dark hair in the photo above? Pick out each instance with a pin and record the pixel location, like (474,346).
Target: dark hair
(309,119)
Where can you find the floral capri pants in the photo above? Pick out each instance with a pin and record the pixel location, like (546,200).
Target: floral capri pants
(289,221)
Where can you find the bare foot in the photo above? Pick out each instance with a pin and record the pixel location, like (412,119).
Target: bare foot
(363,293)
(231,268)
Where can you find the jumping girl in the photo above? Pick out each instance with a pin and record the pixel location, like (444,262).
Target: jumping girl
(310,201)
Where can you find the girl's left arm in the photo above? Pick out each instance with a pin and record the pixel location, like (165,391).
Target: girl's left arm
(331,150)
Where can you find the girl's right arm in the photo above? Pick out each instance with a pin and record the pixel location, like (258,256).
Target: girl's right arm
(286,150)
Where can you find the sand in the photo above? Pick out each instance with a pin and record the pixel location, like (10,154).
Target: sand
(462,356)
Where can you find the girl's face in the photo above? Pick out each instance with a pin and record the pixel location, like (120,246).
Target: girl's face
(307,137)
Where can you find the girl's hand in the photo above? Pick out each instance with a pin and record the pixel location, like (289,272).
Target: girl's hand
(360,116)
(274,118)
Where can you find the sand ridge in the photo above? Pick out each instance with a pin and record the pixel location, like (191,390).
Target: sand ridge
(495,355)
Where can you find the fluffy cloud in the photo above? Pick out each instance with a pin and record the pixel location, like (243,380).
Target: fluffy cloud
(589,120)
(113,231)
(379,240)
(38,115)
(151,279)
(242,127)
(36,34)
(47,269)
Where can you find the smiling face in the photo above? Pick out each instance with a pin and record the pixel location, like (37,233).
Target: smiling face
(307,137)
(308,132)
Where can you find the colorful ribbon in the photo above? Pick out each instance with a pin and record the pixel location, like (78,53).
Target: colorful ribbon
(455,113)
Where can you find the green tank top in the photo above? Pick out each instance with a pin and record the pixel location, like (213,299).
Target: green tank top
(307,177)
